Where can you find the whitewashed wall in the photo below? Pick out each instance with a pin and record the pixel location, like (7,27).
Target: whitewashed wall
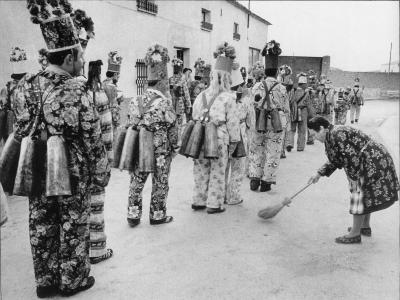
(119,26)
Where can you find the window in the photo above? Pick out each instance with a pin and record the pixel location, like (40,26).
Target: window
(236,35)
(147,6)
(254,56)
(206,20)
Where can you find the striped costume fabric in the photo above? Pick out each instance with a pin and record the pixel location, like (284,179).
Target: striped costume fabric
(103,108)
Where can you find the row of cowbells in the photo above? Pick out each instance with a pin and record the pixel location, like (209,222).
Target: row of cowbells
(133,147)
(26,163)
(198,135)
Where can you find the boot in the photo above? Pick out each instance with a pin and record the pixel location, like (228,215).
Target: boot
(254,184)
(265,186)
(289,148)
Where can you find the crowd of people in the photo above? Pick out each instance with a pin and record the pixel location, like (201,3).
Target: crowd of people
(63,134)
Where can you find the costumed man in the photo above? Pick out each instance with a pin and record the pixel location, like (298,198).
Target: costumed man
(180,96)
(98,239)
(299,108)
(235,169)
(216,109)
(328,95)
(342,106)
(284,75)
(356,100)
(187,75)
(59,110)
(266,146)
(153,116)
(197,85)
(206,75)
(8,101)
(43,61)
(316,106)
(110,87)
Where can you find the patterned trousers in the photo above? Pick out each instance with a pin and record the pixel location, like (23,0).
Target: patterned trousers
(355,110)
(159,192)
(209,179)
(59,237)
(301,127)
(265,152)
(98,238)
(235,170)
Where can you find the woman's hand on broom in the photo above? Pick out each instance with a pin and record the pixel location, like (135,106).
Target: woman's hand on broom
(314,179)
(286,201)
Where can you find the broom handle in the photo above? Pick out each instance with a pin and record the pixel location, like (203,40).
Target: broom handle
(308,184)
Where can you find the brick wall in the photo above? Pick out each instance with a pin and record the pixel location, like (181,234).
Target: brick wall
(306,63)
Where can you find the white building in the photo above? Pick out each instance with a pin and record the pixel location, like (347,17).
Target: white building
(394,67)
(189,29)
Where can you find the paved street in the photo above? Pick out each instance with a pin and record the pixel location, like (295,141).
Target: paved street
(236,255)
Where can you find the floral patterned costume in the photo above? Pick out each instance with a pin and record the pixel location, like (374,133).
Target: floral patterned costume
(180,99)
(265,148)
(195,88)
(236,165)
(159,117)
(368,165)
(209,174)
(98,238)
(59,225)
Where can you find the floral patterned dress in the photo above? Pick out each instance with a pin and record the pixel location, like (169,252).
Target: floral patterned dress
(209,174)
(58,226)
(159,117)
(112,93)
(368,165)
(195,88)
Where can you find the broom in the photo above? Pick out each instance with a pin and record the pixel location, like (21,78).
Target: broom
(272,211)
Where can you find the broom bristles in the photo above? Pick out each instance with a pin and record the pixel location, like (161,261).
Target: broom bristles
(270,211)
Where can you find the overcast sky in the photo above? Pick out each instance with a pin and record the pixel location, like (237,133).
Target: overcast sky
(356,34)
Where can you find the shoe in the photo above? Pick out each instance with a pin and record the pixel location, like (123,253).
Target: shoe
(167,219)
(356,120)
(283,155)
(254,184)
(198,207)
(96,260)
(352,122)
(89,284)
(235,203)
(215,210)
(310,143)
(364,231)
(46,291)
(265,186)
(289,148)
(300,150)
(133,222)
(347,240)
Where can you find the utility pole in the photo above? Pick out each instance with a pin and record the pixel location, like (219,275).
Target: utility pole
(390,57)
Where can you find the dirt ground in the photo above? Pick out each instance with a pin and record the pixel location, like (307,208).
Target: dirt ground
(236,255)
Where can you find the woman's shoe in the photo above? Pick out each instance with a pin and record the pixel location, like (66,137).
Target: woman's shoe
(198,207)
(46,291)
(348,240)
(89,284)
(283,155)
(167,219)
(364,231)
(96,260)
(215,210)
(289,148)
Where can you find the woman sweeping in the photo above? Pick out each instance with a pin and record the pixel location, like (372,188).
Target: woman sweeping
(369,168)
